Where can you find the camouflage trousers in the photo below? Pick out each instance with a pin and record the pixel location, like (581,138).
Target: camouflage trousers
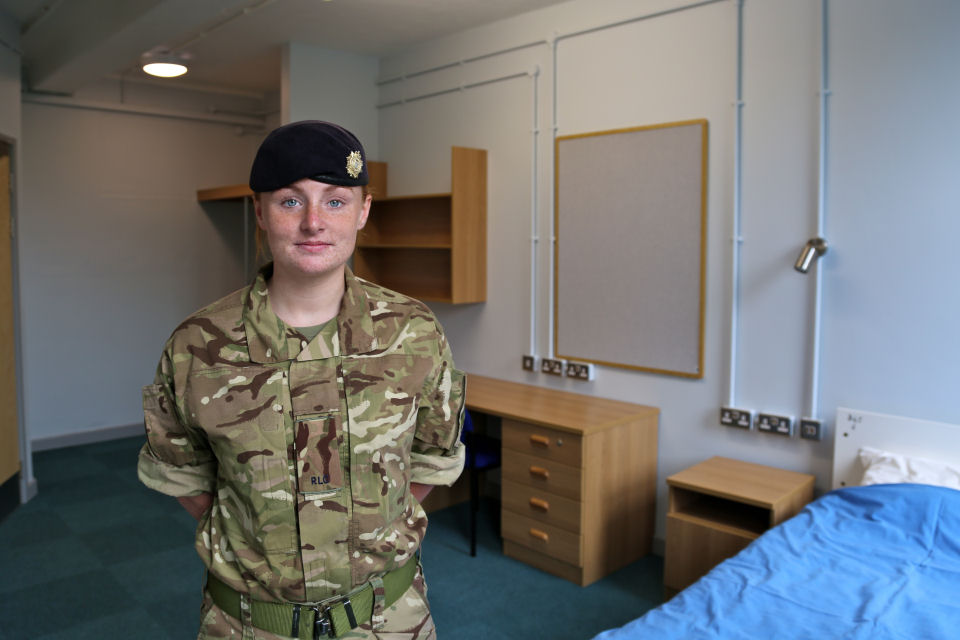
(406,619)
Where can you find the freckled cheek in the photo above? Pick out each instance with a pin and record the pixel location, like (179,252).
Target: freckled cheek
(345,228)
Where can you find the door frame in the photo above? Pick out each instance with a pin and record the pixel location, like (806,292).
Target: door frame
(28,483)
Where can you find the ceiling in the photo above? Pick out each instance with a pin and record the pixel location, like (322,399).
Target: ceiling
(237,44)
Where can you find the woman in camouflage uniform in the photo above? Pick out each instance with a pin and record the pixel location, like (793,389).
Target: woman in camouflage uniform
(302,419)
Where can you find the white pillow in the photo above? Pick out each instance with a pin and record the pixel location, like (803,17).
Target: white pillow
(883,467)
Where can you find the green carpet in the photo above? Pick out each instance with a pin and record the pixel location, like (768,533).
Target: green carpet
(98,556)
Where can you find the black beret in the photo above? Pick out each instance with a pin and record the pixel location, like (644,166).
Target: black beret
(312,149)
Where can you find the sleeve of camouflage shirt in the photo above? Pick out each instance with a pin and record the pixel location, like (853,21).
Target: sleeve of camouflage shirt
(437,455)
(176,460)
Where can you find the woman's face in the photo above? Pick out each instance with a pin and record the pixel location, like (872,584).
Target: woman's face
(312,226)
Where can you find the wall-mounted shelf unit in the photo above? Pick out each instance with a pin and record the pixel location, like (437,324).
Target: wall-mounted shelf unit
(232,192)
(432,247)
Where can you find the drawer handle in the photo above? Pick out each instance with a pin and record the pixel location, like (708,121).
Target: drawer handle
(537,503)
(540,535)
(542,441)
(540,472)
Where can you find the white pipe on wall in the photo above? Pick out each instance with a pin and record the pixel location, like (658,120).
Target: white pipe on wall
(455,89)
(736,239)
(534,206)
(457,63)
(814,407)
(186,86)
(58,101)
(243,12)
(551,264)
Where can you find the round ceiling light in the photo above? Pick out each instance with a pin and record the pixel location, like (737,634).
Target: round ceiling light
(164,64)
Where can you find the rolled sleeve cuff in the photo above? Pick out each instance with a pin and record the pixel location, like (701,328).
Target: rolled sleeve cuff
(179,482)
(438,469)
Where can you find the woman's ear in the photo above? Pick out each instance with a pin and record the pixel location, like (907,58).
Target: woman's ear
(367,201)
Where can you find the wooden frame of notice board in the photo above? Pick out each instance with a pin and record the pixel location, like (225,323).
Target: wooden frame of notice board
(630,213)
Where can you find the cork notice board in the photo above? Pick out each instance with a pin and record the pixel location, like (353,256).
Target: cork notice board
(630,250)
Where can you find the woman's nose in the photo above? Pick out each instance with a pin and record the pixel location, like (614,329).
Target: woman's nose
(312,219)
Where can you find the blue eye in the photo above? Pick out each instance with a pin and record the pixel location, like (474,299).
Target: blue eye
(289,202)
(336,203)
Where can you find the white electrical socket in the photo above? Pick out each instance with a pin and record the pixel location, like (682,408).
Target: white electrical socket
(733,417)
(552,366)
(773,423)
(811,429)
(581,370)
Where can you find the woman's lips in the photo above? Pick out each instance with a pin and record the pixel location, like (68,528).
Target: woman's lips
(313,245)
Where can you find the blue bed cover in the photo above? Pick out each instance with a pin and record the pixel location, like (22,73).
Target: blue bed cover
(873,562)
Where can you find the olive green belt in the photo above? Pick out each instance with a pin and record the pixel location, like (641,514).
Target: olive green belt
(331,618)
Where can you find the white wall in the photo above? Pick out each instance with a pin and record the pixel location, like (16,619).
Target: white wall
(320,84)
(890,333)
(892,165)
(115,251)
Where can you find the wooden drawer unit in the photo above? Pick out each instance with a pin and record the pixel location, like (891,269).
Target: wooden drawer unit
(549,540)
(547,475)
(579,477)
(542,442)
(720,506)
(540,505)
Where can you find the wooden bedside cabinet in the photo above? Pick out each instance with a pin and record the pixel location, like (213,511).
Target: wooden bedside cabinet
(718,507)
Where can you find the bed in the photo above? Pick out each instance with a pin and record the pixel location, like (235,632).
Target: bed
(876,557)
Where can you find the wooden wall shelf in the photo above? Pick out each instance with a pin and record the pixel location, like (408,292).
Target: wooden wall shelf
(433,246)
(232,192)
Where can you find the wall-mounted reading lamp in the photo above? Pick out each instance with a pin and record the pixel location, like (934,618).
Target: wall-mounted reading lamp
(814,248)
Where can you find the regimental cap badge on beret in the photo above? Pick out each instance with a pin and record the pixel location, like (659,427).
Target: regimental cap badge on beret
(354,164)
(309,149)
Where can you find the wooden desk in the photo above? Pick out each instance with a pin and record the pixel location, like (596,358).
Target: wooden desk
(579,477)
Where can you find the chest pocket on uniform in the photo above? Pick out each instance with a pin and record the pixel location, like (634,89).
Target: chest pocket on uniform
(240,408)
(317,445)
(318,436)
(383,396)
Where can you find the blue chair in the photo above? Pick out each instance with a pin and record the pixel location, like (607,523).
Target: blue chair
(483,453)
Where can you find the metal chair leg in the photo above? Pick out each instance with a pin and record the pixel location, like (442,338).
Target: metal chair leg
(474,507)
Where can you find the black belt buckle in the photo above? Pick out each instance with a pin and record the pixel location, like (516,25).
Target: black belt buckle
(322,625)
(323,617)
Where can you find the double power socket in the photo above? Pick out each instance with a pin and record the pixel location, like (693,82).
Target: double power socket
(810,428)
(585,371)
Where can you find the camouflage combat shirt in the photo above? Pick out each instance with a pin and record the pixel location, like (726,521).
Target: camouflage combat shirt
(308,448)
